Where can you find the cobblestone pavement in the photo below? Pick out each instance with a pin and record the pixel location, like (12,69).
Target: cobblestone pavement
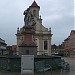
(71,61)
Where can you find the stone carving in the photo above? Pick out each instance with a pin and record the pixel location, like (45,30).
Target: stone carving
(28,18)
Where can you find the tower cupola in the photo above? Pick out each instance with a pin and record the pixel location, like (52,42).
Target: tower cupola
(34,8)
(34,4)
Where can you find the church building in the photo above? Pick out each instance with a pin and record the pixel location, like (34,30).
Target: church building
(42,36)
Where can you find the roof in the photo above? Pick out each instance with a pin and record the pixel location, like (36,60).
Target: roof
(34,4)
(72,31)
(2,41)
(66,39)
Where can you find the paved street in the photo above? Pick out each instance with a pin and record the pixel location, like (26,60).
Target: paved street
(71,61)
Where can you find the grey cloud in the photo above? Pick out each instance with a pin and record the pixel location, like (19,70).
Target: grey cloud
(57,14)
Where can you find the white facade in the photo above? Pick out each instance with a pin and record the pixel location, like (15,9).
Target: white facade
(41,33)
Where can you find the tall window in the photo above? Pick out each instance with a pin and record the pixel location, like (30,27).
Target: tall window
(34,12)
(45,44)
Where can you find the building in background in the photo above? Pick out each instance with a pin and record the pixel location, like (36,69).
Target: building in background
(54,49)
(14,49)
(69,43)
(42,34)
(11,50)
(57,49)
(2,47)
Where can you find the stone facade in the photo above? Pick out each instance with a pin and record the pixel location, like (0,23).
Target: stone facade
(42,34)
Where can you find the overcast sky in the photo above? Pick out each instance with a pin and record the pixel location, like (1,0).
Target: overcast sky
(57,14)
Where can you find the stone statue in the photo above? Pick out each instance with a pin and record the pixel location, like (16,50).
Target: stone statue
(28,18)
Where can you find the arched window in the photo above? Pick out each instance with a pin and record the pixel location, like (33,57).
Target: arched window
(34,12)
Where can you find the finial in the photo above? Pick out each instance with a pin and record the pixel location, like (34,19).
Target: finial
(18,29)
(40,16)
(50,29)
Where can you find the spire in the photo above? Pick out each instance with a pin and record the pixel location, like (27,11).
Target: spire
(34,4)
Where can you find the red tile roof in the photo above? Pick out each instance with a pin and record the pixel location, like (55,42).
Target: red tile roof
(34,4)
